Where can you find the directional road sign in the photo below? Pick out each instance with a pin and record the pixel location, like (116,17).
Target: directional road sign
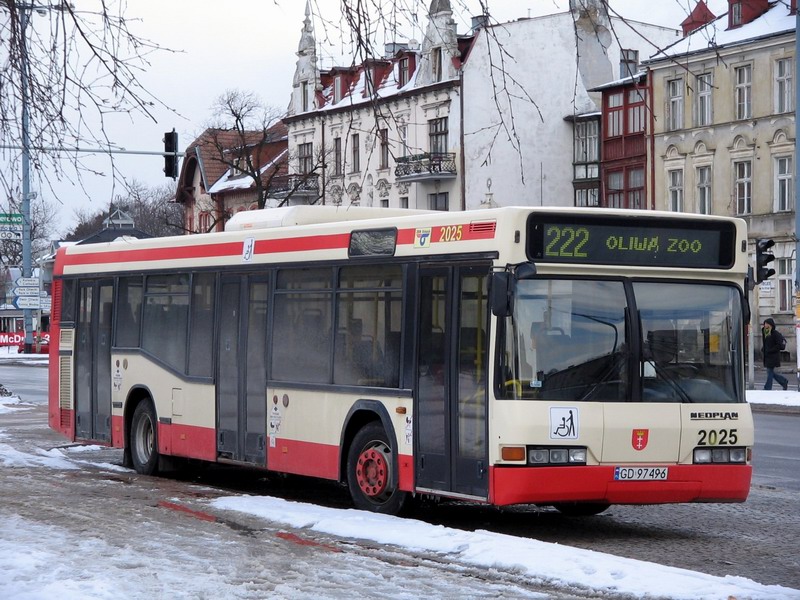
(11,219)
(25,291)
(27,282)
(31,302)
(11,235)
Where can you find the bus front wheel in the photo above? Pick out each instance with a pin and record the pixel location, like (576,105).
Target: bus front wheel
(581,509)
(144,439)
(371,476)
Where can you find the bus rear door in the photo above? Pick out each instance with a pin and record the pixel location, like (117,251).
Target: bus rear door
(93,360)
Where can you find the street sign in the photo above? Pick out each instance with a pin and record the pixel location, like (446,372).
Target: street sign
(25,291)
(11,219)
(10,227)
(27,302)
(46,304)
(10,235)
(27,282)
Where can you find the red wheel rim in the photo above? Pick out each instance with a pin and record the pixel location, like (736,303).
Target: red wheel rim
(372,472)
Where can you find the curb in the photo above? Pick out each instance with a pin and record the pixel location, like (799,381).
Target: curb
(778,409)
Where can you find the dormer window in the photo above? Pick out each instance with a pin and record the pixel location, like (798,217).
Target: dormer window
(436,64)
(736,14)
(337,89)
(402,72)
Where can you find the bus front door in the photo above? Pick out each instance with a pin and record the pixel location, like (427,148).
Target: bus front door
(242,369)
(451,384)
(93,361)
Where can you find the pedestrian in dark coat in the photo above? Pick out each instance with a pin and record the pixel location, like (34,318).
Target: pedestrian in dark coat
(773,343)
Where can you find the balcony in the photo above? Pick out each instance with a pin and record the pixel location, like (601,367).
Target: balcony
(299,185)
(426,166)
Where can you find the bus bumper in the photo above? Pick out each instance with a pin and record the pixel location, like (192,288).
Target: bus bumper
(685,483)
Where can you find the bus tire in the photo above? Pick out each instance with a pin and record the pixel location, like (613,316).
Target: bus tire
(371,475)
(581,509)
(144,439)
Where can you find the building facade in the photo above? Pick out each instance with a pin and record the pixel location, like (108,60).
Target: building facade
(724,131)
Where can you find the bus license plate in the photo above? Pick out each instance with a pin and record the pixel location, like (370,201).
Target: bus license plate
(640,473)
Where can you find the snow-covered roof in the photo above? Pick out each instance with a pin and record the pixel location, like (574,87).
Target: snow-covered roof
(776,21)
(231,181)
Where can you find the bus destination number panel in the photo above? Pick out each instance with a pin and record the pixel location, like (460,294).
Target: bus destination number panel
(633,241)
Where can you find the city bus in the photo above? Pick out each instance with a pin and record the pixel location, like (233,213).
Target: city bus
(561,357)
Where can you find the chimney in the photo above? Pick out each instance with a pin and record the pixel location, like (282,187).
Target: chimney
(479,22)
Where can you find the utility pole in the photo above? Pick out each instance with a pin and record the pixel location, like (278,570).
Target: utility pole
(27,313)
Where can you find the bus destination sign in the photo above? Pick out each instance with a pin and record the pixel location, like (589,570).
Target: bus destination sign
(634,241)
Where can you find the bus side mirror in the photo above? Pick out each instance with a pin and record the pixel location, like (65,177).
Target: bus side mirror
(501,294)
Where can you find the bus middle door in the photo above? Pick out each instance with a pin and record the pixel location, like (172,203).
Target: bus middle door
(451,409)
(241,369)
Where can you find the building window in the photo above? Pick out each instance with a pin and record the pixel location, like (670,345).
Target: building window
(784,198)
(204,222)
(629,62)
(736,13)
(703,105)
(304,96)
(383,136)
(615,112)
(675,104)
(784,92)
(355,155)
(743,186)
(743,98)
(337,89)
(337,156)
(587,149)
(403,72)
(587,197)
(438,201)
(785,271)
(636,111)
(384,203)
(436,64)
(403,201)
(675,177)
(402,133)
(305,157)
(437,134)
(635,190)
(703,176)
(615,189)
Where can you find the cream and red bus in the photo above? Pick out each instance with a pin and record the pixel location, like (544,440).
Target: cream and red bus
(576,358)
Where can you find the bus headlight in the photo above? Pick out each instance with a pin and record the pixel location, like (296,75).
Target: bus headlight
(719,456)
(556,456)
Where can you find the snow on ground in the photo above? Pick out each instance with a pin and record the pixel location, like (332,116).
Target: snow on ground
(554,563)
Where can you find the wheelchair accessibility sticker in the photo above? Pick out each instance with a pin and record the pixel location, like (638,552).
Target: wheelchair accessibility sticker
(564,423)
(422,238)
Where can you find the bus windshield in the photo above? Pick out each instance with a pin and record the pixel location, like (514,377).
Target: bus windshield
(621,341)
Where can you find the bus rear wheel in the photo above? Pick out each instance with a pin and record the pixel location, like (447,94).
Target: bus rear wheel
(371,476)
(144,439)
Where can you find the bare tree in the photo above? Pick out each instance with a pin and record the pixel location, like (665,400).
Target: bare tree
(150,208)
(245,136)
(72,68)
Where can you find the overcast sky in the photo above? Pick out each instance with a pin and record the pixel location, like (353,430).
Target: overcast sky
(249,45)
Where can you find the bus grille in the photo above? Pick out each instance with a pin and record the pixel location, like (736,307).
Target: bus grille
(66,339)
(64,385)
(485,227)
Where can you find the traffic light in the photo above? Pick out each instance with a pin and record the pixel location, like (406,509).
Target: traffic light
(171,154)
(763,258)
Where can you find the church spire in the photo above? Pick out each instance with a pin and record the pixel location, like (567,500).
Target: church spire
(306,74)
